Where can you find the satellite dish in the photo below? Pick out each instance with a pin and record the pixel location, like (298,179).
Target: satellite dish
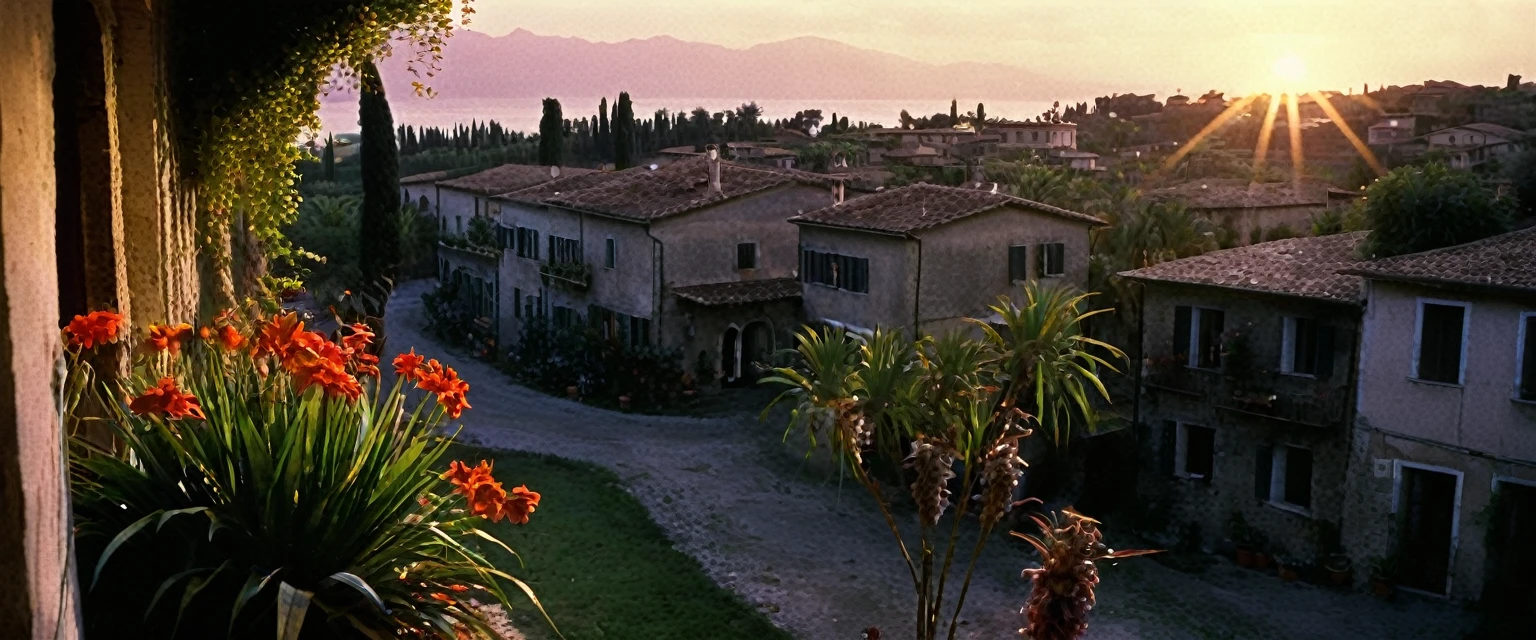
(554,172)
(653,167)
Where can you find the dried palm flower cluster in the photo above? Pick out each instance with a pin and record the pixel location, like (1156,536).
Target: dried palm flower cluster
(1001,468)
(1070,544)
(934,464)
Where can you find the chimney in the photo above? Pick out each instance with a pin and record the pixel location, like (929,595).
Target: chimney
(837,192)
(712,158)
(1514,82)
(978,173)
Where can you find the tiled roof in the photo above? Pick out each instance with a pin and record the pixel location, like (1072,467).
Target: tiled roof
(1490,129)
(432,176)
(1231,193)
(537,194)
(1505,262)
(1305,267)
(742,292)
(922,206)
(680,187)
(506,178)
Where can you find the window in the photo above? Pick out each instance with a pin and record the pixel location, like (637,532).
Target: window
(564,250)
(1034,136)
(1525,375)
(458,224)
(610,253)
(563,316)
(1053,259)
(1283,475)
(1441,329)
(639,331)
(517,302)
(746,255)
(442,224)
(526,241)
(1306,348)
(1197,334)
(833,270)
(1018,263)
(1196,451)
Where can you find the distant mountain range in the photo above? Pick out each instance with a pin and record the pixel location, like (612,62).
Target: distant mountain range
(522,64)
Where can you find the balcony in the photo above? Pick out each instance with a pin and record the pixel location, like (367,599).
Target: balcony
(1266,395)
(1323,407)
(464,244)
(571,276)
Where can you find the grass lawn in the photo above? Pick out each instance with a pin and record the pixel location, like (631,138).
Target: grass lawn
(601,567)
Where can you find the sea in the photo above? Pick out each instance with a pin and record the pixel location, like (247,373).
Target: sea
(338,113)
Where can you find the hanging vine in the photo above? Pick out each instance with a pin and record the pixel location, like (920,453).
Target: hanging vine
(245,78)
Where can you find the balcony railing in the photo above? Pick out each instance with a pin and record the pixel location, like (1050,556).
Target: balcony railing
(572,276)
(1268,395)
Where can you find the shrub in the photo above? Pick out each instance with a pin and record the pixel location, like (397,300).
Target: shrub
(1418,208)
(267,481)
(553,358)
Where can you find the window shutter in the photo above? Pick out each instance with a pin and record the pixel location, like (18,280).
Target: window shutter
(1528,361)
(1181,326)
(1018,265)
(1167,449)
(1324,352)
(517,302)
(1263,469)
(1058,258)
(1044,258)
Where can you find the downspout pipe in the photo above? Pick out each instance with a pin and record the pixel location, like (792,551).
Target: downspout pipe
(917,297)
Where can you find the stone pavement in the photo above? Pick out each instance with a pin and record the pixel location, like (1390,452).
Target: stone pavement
(815,557)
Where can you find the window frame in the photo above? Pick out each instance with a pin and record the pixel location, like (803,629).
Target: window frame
(1022,263)
(1418,339)
(610,253)
(1524,342)
(1279,472)
(755,255)
(1196,313)
(1181,452)
(1046,249)
(1289,328)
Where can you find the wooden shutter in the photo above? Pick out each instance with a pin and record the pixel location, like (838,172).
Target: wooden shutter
(1528,361)
(1263,468)
(1168,447)
(1058,258)
(1440,343)
(1325,347)
(1181,327)
(1018,265)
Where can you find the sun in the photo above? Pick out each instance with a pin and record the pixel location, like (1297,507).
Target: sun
(1290,71)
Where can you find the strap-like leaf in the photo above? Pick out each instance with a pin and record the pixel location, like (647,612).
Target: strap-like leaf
(177,512)
(362,587)
(117,541)
(292,604)
(253,586)
(167,585)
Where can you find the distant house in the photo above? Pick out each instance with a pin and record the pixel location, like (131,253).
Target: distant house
(1021,135)
(1245,206)
(753,153)
(696,255)
(670,155)
(1074,159)
(1472,145)
(923,258)
(1393,129)
(458,200)
(1443,437)
(421,190)
(919,147)
(1245,389)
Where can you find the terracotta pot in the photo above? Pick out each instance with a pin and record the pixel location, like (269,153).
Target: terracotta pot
(689,393)
(1339,577)
(1382,588)
(1288,573)
(1244,557)
(572,392)
(624,403)
(1260,560)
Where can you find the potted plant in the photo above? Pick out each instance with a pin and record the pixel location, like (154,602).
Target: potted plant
(1383,575)
(1242,537)
(572,392)
(624,403)
(1339,568)
(1288,570)
(1261,557)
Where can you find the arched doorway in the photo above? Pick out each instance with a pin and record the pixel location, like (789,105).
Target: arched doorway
(730,350)
(756,349)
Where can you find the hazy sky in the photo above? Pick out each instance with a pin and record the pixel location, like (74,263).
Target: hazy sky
(1140,45)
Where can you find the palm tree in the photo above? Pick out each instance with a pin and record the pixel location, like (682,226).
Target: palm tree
(956,400)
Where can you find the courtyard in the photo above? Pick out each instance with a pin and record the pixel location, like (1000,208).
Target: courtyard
(812,555)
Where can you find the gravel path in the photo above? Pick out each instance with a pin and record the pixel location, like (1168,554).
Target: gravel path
(817,559)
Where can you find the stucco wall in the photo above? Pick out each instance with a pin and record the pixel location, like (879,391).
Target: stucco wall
(701,245)
(412,194)
(892,279)
(965,263)
(457,207)
(1475,429)
(1208,505)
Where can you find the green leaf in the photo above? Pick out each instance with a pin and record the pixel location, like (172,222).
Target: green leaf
(253,585)
(167,585)
(118,541)
(178,512)
(362,587)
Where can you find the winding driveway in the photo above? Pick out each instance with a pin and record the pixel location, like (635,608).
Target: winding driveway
(816,557)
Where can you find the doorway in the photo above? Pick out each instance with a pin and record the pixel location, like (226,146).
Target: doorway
(1509,575)
(1427,502)
(756,349)
(730,351)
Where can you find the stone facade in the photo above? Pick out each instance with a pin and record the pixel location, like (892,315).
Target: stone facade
(1257,420)
(1473,439)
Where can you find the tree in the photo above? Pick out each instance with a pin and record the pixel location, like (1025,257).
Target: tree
(380,162)
(981,116)
(954,112)
(624,133)
(1419,208)
(1522,175)
(328,158)
(604,139)
(551,134)
(953,399)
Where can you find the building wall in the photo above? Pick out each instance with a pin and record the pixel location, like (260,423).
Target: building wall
(457,207)
(700,246)
(892,279)
(1245,220)
(413,193)
(1475,429)
(965,262)
(1206,506)
(698,331)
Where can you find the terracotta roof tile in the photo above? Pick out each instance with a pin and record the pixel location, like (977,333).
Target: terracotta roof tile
(1305,267)
(506,178)
(431,176)
(1226,193)
(1504,262)
(742,292)
(537,194)
(680,187)
(923,206)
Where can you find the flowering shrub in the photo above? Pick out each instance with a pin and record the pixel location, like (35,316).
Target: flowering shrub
(268,482)
(553,358)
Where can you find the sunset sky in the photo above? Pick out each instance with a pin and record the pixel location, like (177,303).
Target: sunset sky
(1139,45)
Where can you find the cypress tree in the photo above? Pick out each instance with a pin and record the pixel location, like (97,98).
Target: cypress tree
(604,134)
(551,142)
(328,158)
(623,133)
(379,217)
(954,112)
(981,116)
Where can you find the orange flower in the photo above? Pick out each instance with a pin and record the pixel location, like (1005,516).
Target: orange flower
(230,338)
(360,337)
(168,337)
(315,361)
(167,398)
(458,587)
(486,498)
(277,336)
(205,333)
(96,327)
(408,365)
(459,473)
(444,381)
(520,504)
(443,597)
